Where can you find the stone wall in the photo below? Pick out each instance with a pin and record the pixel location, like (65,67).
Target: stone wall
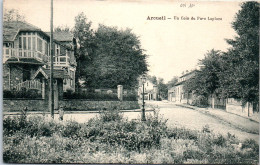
(6,74)
(16,75)
(235,106)
(11,105)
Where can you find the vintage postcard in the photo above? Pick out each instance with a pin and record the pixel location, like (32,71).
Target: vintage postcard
(133,82)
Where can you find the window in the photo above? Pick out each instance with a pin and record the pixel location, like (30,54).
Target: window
(24,43)
(63,59)
(29,43)
(39,45)
(46,48)
(20,42)
(33,43)
(57,50)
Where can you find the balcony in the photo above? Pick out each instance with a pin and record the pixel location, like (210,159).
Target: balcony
(22,53)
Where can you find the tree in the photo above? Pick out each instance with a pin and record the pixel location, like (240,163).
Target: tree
(242,59)
(172,82)
(235,73)
(12,15)
(153,79)
(206,81)
(118,58)
(108,57)
(84,56)
(62,29)
(163,89)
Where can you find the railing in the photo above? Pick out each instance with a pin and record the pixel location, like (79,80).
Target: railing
(59,62)
(23,53)
(29,84)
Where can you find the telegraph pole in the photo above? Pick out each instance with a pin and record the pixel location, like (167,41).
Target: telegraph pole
(51,100)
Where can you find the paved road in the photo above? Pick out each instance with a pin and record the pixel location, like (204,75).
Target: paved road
(192,119)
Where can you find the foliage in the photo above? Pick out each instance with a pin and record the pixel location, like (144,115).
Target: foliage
(62,29)
(108,57)
(234,73)
(130,97)
(206,81)
(111,115)
(172,82)
(153,79)
(118,59)
(85,36)
(90,96)
(113,139)
(241,70)
(200,101)
(12,15)
(98,96)
(162,86)
(23,93)
(163,89)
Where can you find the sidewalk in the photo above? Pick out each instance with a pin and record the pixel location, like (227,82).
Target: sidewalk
(239,122)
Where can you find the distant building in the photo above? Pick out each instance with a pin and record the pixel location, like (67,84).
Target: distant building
(26,58)
(177,93)
(150,90)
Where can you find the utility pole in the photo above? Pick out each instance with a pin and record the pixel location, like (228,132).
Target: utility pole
(51,100)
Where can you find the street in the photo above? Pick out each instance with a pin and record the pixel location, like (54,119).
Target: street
(192,119)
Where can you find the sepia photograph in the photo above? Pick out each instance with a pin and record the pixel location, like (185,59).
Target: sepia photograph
(130,82)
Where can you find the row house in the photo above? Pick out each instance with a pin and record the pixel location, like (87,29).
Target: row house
(177,93)
(26,58)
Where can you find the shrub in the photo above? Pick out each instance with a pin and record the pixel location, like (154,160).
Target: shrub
(114,140)
(110,115)
(130,97)
(23,93)
(71,129)
(250,143)
(182,133)
(220,140)
(90,96)
(206,129)
(200,101)
(14,124)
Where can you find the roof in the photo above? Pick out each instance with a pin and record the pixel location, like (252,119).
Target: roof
(57,73)
(62,36)
(186,74)
(24,61)
(179,83)
(12,28)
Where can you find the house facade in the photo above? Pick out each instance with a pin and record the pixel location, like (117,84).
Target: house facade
(26,58)
(177,93)
(150,90)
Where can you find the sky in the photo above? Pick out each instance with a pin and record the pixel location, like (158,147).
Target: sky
(173,45)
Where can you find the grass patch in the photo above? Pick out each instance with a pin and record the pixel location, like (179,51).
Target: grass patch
(110,138)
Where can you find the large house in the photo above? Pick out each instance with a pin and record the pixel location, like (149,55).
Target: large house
(177,93)
(26,58)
